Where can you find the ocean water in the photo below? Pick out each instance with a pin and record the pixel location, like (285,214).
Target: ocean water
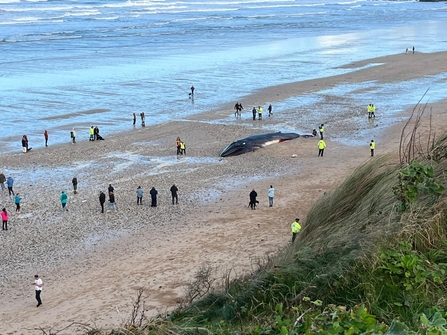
(76,63)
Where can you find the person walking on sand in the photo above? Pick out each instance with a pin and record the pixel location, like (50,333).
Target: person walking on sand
(372,146)
(102,200)
(74,181)
(271,194)
(10,184)
(153,193)
(17,199)
(2,180)
(270,110)
(45,135)
(4,219)
(321,146)
(134,116)
(321,129)
(174,191)
(64,199)
(38,283)
(112,203)
(253,200)
(177,145)
(296,228)
(139,195)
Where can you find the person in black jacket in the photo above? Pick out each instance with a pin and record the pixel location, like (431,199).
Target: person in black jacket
(174,191)
(253,200)
(102,200)
(153,193)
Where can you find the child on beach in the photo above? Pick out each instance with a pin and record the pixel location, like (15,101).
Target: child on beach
(64,199)
(5,219)
(17,202)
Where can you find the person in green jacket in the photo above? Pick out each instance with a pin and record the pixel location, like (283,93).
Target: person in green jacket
(296,228)
(64,199)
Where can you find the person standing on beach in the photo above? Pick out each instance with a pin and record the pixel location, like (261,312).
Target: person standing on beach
(236,109)
(259,113)
(296,228)
(73,135)
(143,118)
(254,113)
(174,191)
(10,184)
(253,200)
(102,200)
(139,195)
(74,181)
(270,110)
(2,180)
(4,219)
(177,145)
(112,203)
(96,133)
(413,50)
(24,149)
(271,194)
(17,199)
(321,146)
(45,135)
(111,189)
(321,129)
(92,133)
(182,148)
(192,91)
(153,193)
(38,283)
(134,115)
(64,199)
(372,146)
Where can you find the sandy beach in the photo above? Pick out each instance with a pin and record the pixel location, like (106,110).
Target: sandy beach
(92,263)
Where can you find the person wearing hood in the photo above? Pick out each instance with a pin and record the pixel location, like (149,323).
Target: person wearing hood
(153,193)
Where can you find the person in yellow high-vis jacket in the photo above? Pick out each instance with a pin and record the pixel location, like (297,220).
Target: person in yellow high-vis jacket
(372,146)
(321,146)
(296,228)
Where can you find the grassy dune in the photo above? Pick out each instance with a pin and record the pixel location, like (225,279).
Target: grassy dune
(371,258)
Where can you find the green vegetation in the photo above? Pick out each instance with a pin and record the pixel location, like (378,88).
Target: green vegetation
(371,259)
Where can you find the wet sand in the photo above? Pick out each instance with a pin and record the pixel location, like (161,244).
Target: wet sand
(92,263)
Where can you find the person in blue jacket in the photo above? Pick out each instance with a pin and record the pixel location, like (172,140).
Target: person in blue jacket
(10,183)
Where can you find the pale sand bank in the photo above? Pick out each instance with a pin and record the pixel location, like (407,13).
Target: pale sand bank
(92,263)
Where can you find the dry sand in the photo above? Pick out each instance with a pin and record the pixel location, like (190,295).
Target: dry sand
(92,263)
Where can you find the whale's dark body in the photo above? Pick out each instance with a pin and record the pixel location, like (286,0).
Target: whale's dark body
(254,142)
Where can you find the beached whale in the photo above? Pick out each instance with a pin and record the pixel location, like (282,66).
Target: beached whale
(254,142)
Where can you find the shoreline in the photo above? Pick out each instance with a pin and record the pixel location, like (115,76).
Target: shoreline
(161,248)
